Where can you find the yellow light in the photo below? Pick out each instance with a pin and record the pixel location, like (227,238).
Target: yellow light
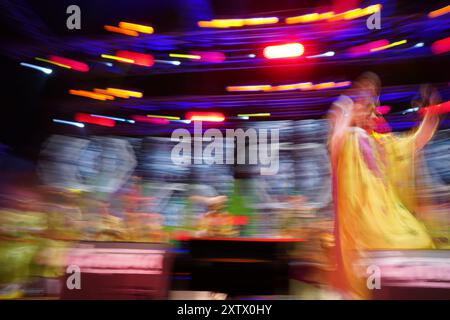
(221,23)
(55,63)
(373,8)
(228,23)
(264,87)
(136,27)
(163,117)
(122,31)
(309,17)
(388,46)
(259,21)
(284,87)
(186,56)
(107,56)
(254,115)
(92,95)
(439,12)
(305,85)
(324,85)
(116,94)
(326,15)
(135,94)
(355,13)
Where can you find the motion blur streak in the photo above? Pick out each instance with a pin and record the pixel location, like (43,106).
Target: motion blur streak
(127,32)
(136,27)
(92,95)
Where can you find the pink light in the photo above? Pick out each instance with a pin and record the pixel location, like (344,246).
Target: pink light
(288,50)
(205,116)
(441,46)
(150,120)
(216,57)
(383,109)
(75,65)
(365,48)
(141,59)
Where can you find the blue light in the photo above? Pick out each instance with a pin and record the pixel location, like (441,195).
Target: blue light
(32,66)
(72,123)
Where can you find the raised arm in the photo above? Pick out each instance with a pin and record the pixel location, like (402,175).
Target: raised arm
(339,119)
(426,130)
(430,121)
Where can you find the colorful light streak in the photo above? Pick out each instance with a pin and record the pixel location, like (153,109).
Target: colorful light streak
(163,117)
(441,46)
(326,54)
(120,59)
(248,115)
(215,57)
(134,94)
(264,87)
(229,23)
(172,62)
(113,118)
(138,58)
(394,44)
(136,27)
(311,17)
(73,64)
(32,66)
(87,118)
(366,48)
(146,119)
(205,116)
(439,12)
(127,32)
(289,87)
(288,50)
(72,123)
(92,95)
(116,94)
(54,63)
(331,16)
(185,56)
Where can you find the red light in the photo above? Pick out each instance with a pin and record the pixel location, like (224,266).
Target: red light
(438,109)
(205,116)
(441,46)
(140,59)
(150,120)
(86,118)
(288,50)
(75,65)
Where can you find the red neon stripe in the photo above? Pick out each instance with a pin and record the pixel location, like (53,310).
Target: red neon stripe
(441,46)
(150,120)
(140,59)
(75,65)
(86,118)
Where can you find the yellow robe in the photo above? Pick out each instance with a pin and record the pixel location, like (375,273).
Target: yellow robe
(375,207)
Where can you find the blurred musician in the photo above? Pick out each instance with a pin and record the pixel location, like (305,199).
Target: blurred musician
(373,182)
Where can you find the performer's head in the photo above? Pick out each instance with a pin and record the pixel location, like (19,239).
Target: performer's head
(366,91)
